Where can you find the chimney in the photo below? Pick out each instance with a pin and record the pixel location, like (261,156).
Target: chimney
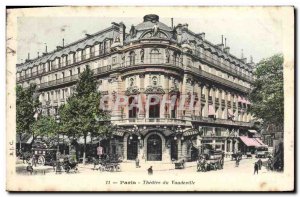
(201,35)
(122,32)
(179,29)
(28,56)
(38,53)
(227,50)
(46,48)
(63,44)
(185,26)
(242,57)
(172,23)
(221,46)
(225,43)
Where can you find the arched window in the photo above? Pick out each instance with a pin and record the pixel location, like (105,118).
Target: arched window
(154,56)
(132,108)
(154,109)
(132,58)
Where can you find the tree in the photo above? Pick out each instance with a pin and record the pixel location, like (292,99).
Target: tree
(45,126)
(267,94)
(78,115)
(27,104)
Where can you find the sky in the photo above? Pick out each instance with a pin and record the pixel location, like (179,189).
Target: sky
(258,34)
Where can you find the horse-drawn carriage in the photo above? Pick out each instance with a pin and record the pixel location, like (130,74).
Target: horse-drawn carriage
(212,160)
(41,154)
(110,163)
(235,156)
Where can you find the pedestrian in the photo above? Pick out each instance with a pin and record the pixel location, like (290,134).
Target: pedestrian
(150,171)
(137,163)
(259,164)
(199,164)
(256,168)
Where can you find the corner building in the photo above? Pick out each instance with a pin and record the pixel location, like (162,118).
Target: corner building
(152,58)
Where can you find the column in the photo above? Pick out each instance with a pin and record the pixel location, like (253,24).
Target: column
(142,101)
(225,146)
(179,153)
(206,93)
(199,97)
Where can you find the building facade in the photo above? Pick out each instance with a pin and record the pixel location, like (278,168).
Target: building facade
(153,59)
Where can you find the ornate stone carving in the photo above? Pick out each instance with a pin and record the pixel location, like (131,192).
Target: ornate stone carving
(132,31)
(154,90)
(132,91)
(142,55)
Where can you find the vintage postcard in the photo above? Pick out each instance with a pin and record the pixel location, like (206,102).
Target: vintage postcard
(150,99)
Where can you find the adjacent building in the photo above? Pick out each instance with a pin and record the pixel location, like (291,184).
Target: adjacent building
(152,58)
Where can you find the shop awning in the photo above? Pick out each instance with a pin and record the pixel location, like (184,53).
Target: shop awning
(260,142)
(249,141)
(190,132)
(119,133)
(25,139)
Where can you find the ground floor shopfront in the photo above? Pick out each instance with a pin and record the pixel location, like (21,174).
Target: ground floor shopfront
(167,145)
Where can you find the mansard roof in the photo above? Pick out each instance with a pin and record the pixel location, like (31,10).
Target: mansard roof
(109,33)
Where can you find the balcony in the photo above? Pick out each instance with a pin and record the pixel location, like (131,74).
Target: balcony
(58,81)
(219,64)
(221,121)
(217,79)
(152,121)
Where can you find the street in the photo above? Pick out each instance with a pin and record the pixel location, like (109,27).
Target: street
(246,167)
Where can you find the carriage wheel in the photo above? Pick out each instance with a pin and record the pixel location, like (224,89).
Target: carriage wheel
(118,169)
(41,160)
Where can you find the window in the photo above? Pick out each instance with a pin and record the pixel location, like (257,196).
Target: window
(63,61)
(83,54)
(78,70)
(92,51)
(70,71)
(154,110)
(132,58)
(132,108)
(63,75)
(154,56)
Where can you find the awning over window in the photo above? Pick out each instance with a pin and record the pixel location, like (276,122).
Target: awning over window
(260,142)
(249,141)
(190,132)
(211,110)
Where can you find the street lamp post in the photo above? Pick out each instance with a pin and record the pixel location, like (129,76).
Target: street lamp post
(57,121)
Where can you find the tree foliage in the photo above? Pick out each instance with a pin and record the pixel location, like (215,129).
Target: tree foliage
(81,114)
(267,94)
(27,103)
(45,126)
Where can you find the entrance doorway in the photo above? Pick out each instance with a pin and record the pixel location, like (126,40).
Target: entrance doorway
(132,147)
(154,148)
